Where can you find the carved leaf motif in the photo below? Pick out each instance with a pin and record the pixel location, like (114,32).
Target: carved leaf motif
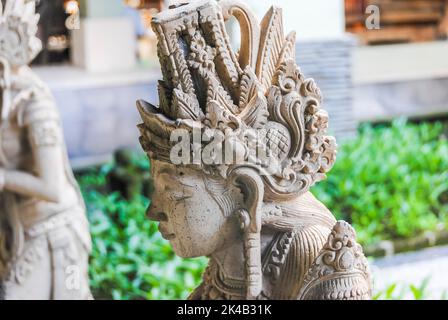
(186,106)
(271,44)
(255,115)
(165,96)
(226,60)
(219,118)
(249,86)
(201,56)
(289,49)
(216,92)
(310,88)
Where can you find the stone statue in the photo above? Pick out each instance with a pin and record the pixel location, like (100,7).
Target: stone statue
(44,235)
(252,214)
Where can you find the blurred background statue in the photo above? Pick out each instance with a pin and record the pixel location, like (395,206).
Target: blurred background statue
(44,235)
(266,235)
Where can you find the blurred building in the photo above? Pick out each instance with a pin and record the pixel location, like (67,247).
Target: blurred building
(98,59)
(400,69)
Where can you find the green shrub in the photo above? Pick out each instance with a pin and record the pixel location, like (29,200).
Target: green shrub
(409,292)
(390,182)
(130,260)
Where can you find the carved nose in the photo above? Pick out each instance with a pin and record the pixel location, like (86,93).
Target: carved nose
(155,215)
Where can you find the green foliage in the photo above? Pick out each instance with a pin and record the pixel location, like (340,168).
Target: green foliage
(130,260)
(400,292)
(420,292)
(390,182)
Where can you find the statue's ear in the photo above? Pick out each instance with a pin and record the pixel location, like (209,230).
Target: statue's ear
(252,187)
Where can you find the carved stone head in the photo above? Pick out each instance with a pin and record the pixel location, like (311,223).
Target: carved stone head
(235,135)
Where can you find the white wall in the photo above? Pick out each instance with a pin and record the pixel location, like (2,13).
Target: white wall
(311,19)
(104,45)
(106,39)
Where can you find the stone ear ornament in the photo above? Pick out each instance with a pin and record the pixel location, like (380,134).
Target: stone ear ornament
(251,217)
(256,101)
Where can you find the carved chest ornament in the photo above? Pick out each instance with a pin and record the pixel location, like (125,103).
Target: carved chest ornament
(254,104)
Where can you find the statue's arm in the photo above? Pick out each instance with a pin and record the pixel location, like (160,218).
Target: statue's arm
(45,184)
(45,137)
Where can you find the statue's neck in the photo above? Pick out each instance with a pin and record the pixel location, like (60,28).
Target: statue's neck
(230,262)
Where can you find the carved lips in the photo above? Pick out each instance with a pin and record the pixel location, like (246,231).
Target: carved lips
(161,217)
(165,233)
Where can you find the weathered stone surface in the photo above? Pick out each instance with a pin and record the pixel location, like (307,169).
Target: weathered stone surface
(266,235)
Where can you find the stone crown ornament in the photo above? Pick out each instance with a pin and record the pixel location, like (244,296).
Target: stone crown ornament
(18,26)
(259,104)
(260,90)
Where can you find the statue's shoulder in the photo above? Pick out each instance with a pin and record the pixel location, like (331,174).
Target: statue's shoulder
(302,212)
(296,244)
(313,256)
(34,100)
(340,271)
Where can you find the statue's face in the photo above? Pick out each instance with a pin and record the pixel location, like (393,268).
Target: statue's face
(189,215)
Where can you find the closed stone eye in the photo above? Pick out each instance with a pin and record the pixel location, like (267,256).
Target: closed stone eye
(178,198)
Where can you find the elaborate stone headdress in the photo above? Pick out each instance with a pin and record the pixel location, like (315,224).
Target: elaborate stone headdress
(18,42)
(18,26)
(206,86)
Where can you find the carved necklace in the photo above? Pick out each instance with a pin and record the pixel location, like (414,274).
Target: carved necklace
(217,286)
